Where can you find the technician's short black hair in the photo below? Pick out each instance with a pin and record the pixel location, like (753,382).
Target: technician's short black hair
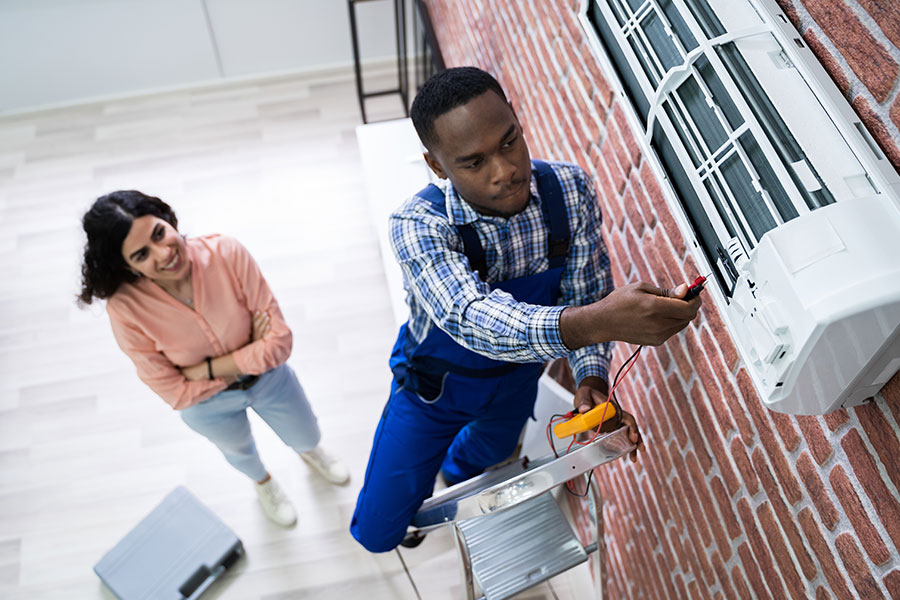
(445,91)
(107,224)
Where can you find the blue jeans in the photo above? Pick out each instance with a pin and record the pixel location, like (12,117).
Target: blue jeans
(277,398)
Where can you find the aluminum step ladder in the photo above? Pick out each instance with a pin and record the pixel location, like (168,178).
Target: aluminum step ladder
(509,531)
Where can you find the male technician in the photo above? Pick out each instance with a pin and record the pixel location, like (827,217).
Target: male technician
(505,269)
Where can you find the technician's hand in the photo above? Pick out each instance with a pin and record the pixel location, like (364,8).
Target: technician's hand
(638,313)
(260,325)
(195,372)
(590,393)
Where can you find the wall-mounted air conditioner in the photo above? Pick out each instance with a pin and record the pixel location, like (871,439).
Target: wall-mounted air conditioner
(787,199)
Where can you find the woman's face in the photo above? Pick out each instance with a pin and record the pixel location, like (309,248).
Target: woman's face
(156,250)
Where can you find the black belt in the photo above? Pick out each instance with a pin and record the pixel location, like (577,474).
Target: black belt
(243,383)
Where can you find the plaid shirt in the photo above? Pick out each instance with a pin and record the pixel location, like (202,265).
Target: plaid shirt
(443,291)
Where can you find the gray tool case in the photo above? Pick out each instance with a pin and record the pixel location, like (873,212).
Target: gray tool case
(175,553)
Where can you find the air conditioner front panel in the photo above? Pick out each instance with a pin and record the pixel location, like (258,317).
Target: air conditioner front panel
(819,320)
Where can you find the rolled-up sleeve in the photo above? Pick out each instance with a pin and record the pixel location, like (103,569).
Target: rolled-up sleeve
(274,348)
(154,369)
(490,322)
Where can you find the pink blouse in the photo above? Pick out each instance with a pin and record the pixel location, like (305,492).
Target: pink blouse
(160,334)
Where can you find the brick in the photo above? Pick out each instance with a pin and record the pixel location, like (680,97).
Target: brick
(698,478)
(720,332)
(883,438)
(785,517)
(760,550)
(728,518)
(822,594)
(881,134)
(866,56)
(779,463)
(621,151)
(701,562)
(689,497)
(716,446)
(780,551)
(856,513)
(895,117)
(692,424)
(745,468)
(828,61)
(662,397)
(886,15)
(892,584)
(663,211)
(836,419)
(701,366)
(641,197)
(869,478)
(857,567)
(718,565)
(752,573)
(891,390)
(620,253)
(675,346)
(628,135)
(785,426)
(723,416)
(818,444)
(616,173)
(738,410)
(667,254)
(824,555)
(633,213)
(740,584)
(678,582)
(637,258)
(674,497)
(820,498)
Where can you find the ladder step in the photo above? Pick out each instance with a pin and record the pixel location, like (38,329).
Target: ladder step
(519,547)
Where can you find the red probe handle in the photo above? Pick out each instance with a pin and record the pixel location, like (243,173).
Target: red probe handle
(695,288)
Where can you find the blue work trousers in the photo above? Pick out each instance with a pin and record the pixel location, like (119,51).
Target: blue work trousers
(474,423)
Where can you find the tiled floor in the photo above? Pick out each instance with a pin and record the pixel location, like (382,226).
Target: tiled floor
(85,449)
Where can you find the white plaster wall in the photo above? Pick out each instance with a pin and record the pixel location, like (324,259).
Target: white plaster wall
(62,51)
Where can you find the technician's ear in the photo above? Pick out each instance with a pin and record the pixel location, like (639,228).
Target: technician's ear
(434,165)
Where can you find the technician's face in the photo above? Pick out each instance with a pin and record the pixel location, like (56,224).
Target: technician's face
(156,250)
(480,148)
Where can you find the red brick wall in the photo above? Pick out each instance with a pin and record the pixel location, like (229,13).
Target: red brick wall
(730,500)
(858,45)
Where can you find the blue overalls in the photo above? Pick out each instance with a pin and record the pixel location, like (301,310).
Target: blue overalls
(450,408)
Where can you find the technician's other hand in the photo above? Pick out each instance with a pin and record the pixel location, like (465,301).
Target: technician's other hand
(195,372)
(261,325)
(590,394)
(634,434)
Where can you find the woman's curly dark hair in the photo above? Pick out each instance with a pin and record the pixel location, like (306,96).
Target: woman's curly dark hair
(107,224)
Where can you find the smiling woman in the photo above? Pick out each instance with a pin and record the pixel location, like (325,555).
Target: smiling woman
(202,327)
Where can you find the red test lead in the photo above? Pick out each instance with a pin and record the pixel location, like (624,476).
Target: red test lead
(695,288)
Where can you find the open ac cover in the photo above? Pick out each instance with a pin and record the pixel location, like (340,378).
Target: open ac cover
(816,310)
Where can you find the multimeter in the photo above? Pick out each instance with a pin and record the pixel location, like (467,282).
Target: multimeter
(586,421)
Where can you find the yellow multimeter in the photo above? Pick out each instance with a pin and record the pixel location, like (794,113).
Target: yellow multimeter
(586,421)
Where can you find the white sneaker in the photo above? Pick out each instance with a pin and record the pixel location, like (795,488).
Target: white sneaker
(275,504)
(328,466)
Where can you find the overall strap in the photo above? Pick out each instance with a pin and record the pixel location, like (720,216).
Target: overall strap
(556,217)
(472,247)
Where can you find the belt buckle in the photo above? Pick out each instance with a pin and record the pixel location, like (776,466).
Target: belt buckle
(248,382)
